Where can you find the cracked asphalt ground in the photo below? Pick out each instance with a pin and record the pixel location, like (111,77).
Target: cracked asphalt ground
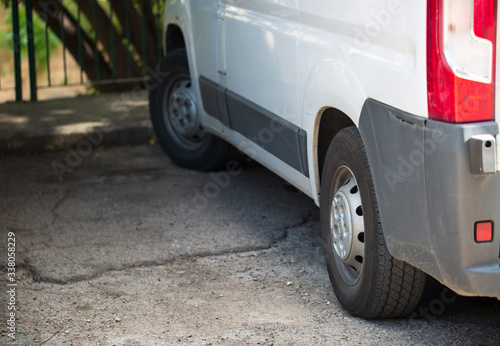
(126,251)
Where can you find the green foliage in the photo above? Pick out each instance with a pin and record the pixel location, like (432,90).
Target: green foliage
(46,42)
(39,39)
(4,41)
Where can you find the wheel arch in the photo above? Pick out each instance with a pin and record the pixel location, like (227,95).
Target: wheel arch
(331,121)
(176,19)
(174,38)
(333,99)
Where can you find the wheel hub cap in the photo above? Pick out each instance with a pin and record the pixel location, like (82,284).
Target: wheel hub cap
(342,225)
(182,110)
(347,228)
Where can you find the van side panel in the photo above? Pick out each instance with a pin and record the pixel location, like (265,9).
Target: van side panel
(367,39)
(261,54)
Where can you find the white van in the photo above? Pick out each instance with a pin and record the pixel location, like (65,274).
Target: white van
(382,111)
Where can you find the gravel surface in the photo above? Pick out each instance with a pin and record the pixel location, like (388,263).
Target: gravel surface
(131,250)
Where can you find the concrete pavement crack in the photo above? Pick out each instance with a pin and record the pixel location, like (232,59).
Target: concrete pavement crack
(41,278)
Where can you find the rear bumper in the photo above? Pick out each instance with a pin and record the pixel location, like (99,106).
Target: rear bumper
(429,198)
(457,199)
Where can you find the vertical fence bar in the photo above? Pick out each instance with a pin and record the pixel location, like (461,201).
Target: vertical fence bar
(112,37)
(63,35)
(31,49)
(47,52)
(17,50)
(96,52)
(143,33)
(80,59)
(159,29)
(127,24)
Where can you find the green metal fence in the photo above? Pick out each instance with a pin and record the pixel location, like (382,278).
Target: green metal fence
(119,35)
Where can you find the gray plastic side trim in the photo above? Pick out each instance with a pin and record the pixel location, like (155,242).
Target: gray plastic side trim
(214,100)
(278,136)
(303,151)
(270,132)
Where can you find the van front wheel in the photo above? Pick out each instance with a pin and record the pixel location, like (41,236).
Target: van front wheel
(367,280)
(176,118)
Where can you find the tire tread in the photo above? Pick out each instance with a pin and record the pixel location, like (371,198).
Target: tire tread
(218,152)
(398,286)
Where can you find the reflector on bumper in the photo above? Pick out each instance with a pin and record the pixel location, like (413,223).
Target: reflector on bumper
(483,232)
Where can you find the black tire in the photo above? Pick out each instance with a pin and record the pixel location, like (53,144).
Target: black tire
(367,280)
(175,118)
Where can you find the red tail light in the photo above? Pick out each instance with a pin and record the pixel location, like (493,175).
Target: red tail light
(461,46)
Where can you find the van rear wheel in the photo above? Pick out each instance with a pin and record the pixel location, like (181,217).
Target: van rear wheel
(367,280)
